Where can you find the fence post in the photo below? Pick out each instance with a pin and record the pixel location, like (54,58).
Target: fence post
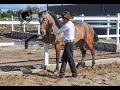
(12,24)
(24,27)
(30,28)
(57,16)
(118,27)
(82,16)
(108,29)
(38,29)
(46,55)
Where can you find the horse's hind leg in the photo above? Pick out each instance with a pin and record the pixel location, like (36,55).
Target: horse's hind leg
(90,46)
(80,44)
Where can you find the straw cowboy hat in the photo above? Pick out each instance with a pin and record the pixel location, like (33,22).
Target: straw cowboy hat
(66,15)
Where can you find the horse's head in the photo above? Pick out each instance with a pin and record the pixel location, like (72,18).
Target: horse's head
(49,22)
(44,22)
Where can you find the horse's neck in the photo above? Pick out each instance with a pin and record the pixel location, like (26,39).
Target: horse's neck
(58,36)
(52,27)
(52,23)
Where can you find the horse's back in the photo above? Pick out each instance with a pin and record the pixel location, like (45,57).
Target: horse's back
(83,31)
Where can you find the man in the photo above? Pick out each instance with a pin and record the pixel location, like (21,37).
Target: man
(68,38)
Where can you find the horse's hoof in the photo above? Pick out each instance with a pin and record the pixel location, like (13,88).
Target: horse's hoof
(83,64)
(78,65)
(56,70)
(93,67)
(56,73)
(26,46)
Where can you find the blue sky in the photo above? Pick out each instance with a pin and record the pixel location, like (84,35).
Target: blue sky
(14,7)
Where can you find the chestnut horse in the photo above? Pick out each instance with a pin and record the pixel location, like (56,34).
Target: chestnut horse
(84,34)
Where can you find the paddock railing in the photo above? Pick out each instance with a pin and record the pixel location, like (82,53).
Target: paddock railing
(104,22)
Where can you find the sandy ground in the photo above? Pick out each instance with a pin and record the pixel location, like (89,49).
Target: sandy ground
(16,58)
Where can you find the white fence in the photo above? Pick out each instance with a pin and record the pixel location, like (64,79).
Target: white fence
(108,20)
(95,20)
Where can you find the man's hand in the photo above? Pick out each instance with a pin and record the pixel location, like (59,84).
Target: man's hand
(62,43)
(52,33)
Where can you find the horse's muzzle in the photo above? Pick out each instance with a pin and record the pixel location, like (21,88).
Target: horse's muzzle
(40,37)
(42,33)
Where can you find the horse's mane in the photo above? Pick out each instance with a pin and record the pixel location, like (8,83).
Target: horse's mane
(58,22)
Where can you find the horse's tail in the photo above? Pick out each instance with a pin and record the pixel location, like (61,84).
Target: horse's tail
(95,37)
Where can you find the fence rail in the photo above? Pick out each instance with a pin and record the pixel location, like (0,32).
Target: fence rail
(106,22)
(103,22)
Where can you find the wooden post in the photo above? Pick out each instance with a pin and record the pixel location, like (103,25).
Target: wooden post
(46,55)
(108,28)
(118,27)
(82,16)
(24,27)
(12,24)
(38,29)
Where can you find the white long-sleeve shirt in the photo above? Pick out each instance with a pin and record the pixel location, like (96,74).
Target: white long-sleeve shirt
(69,31)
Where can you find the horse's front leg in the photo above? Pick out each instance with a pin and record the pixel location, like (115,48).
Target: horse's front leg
(57,49)
(27,40)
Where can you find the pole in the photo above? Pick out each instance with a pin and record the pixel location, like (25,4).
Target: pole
(38,29)
(12,24)
(46,55)
(82,16)
(118,15)
(108,28)
(24,27)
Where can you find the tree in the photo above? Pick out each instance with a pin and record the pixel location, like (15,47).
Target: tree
(29,8)
(34,9)
(10,12)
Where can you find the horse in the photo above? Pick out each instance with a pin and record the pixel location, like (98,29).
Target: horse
(84,35)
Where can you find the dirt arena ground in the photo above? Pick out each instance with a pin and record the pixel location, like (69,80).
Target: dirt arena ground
(16,58)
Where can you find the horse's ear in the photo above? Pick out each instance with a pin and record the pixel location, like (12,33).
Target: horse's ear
(47,11)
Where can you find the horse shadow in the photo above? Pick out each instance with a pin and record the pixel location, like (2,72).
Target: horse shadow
(28,69)
(9,68)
